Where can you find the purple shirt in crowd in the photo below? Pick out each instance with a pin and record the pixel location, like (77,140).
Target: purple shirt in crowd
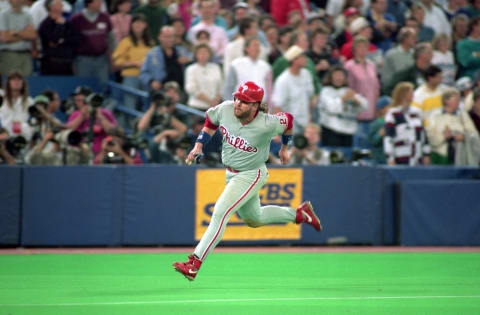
(93,35)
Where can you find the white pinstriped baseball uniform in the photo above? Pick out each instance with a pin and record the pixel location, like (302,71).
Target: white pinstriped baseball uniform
(245,150)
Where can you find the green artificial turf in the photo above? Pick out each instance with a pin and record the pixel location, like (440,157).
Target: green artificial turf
(240,283)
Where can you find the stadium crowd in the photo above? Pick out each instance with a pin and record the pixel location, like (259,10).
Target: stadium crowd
(398,79)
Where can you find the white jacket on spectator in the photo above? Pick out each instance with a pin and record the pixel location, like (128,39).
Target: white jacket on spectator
(336,115)
(15,119)
(205,80)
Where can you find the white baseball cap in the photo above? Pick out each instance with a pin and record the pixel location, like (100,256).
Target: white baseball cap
(358,24)
(293,52)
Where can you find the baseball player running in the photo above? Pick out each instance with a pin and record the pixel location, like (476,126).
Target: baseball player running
(247,131)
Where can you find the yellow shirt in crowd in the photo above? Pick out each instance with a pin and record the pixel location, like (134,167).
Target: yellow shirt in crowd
(127,52)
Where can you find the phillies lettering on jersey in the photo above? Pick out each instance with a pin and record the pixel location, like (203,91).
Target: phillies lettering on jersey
(246,147)
(237,142)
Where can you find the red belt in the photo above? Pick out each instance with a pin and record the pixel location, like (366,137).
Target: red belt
(231,170)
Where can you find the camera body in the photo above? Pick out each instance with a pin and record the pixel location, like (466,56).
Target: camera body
(300,142)
(159,99)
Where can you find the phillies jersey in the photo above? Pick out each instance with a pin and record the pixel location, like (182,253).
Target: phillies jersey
(246,147)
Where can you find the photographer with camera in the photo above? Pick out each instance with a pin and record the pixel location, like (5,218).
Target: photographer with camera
(306,149)
(5,156)
(117,150)
(159,121)
(92,119)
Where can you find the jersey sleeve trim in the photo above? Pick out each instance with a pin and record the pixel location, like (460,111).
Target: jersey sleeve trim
(289,120)
(209,124)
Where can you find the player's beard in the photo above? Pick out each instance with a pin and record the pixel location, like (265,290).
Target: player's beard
(242,114)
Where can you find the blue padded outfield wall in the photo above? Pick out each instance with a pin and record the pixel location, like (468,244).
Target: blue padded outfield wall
(170,205)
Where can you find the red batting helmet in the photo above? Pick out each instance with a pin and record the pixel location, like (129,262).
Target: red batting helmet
(249,92)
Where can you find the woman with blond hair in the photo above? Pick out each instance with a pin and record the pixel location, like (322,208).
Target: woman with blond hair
(405,140)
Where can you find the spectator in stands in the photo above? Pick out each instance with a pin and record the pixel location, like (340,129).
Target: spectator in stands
(121,18)
(452,8)
(174,92)
(452,135)
(39,11)
(14,110)
(161,63)
(80,5)
(300,40)
(280,9)
(265,21)
(468,50)
(96,41)
(405,140)
(219,20)
(422,57)
(311,154)
(362,77)
(474,8)
(16,34)
(359,27)
(376,130)
(425,33)
(182,45)
(342,32)
(321,52)
(53,105)
(384,25)
(218,36)
(335,7)
(444,59)
(400,57)
(241,11)
(5,156)
(294,91)
(436,18)
(249,68)
(459,30)
(284,35)
(464,86)
(129,56)
(338,105)
(58,39)
(475,111)
(272,32)
(158,121)
(296,21)
(247,28)
(203,80)
(156,15)
(89,117)
(115,151)
(428,96)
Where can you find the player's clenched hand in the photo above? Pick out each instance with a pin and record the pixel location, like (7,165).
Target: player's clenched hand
(197,149)
(284,155)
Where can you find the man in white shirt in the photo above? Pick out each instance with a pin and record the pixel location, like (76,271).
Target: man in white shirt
(428,96)
(293,90)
